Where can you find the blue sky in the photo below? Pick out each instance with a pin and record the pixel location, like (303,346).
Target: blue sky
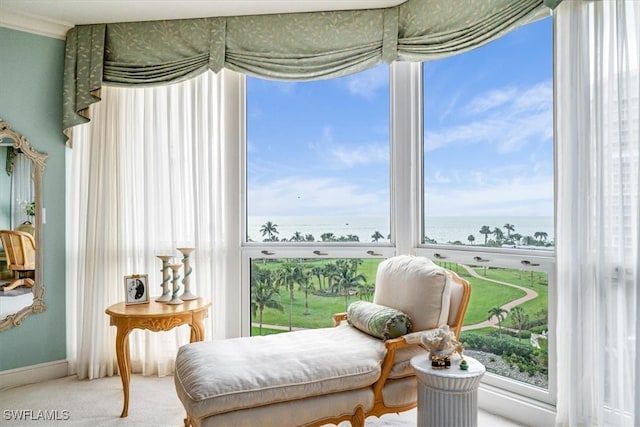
(322,148)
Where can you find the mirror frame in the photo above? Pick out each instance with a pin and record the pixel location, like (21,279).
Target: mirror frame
(22,143)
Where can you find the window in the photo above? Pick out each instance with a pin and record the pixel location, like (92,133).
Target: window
(488,202)
(473,149)
(488,144)
(318,159)
(317,198)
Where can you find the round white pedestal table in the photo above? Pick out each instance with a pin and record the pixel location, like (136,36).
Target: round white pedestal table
(447,397)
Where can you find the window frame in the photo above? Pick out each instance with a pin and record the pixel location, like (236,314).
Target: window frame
(406,227)
(539,260)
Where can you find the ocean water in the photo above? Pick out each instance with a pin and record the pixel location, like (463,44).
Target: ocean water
(441,229)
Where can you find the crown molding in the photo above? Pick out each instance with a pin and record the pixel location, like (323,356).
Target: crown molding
(30,24)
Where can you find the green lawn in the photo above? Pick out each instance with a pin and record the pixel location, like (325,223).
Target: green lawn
(265,331)
(484,296)
(538,281)
(321,310)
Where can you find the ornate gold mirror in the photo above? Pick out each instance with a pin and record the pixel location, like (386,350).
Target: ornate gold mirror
(21,287)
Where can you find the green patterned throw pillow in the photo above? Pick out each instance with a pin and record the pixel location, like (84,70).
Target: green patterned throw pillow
(378,320)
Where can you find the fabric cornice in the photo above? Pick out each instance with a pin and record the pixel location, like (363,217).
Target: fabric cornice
(83,63)
(295,46)
(426,35)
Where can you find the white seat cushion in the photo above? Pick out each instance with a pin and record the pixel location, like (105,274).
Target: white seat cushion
(219,376)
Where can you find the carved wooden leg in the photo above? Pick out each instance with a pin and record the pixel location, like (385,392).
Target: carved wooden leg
(197,329)
(14,284)
(358,418)
(124,364)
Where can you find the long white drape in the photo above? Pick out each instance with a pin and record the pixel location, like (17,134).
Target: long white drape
(598,116)
(148,174)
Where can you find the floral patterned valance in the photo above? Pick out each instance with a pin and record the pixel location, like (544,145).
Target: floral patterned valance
(296,46)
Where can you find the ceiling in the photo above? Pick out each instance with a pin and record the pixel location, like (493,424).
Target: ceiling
(55,17)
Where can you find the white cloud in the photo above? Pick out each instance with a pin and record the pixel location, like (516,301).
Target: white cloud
(349,155)
(450,107)
(297,195)
(438,178)
(504,118)
(490,100)
(536,98)
(368,82)
(474,132)
(359,155)
(532,196)
(516,131)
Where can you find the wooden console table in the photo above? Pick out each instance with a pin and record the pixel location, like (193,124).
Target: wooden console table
(153,316)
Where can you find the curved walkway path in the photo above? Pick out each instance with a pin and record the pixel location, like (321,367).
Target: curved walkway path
(530,294)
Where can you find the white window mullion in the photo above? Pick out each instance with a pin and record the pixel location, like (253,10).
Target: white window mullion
(406,154)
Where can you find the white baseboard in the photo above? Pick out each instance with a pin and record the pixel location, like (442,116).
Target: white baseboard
(33,374)
(516,408)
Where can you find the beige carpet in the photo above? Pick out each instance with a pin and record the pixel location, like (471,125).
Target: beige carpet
(153,402)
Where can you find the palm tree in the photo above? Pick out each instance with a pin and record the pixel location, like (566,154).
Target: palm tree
(509,228)
(531,278)
(486,230)
(330,271)
(376,236)
(355,263)
(519,317)
(264,294)
(516,237)
(306,286)
(365,291)
(346,279)
(541,235)
(318,271)
(297,237)
(269,229)
(499,313)
(471,239)
(328,237)
(288,275)
(309,238)
(497,232)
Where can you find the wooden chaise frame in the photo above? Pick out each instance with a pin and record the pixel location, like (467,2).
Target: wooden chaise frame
(393,345)
(357,418)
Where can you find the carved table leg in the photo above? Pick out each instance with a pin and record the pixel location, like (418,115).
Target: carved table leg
(124,364)
(197,328)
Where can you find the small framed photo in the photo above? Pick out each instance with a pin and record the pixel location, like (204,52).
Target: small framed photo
(135,289)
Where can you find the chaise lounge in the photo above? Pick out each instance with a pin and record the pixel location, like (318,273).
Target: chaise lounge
(358,368)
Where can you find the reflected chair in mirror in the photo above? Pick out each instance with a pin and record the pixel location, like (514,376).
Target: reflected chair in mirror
(20,250)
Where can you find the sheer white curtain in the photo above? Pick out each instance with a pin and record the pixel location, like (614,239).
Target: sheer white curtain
(598,116)
(154,170)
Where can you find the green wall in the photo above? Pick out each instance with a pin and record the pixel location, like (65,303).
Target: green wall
(30,100)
